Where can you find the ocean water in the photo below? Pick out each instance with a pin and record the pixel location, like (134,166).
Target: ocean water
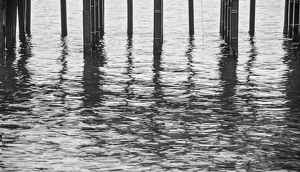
(193,108)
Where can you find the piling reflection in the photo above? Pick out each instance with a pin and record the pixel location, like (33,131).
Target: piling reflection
(292,81)
(16,78)
(129,69)
(228,116)
(60,90)
(228,78)
(290,152)
(157,95)
(250,83)
(15,95)
(190,83)
(93,77)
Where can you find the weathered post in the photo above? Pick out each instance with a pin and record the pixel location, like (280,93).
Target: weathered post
(286,17)
(296,20)
(129,17)
(93,22)
(63,10)
(225,19)
(102,12)
(11,21)
(291,18)
(234,27)
(162,20)
(228,23)
(87,27)
(252,18)
(21,16)
(299,26)
(222,18)
(191,17)
(2,32)
(97,21)
(157,48)
(28,17)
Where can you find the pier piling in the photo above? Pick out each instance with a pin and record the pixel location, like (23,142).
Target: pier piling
(101,13)
(228,22)
(28,17)
(158,26)
(87,37)
(296,20)
(129,17)
(234,27)
(191,17)
(286,17)
(63,10)
(2,28)
(97,21)
(252,18)
(11,21)
(93,22)
(299,25)
(291,19)
(21,17)
(225,19)
(222,20)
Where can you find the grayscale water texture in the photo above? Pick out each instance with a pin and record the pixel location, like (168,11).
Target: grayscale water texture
(194,108)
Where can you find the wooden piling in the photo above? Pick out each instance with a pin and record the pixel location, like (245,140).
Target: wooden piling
(97,21)
(296,20)
(252,18)
(2,28)
(291,18)
(162,20)
(93,22)
(225,19)
(228,23)
(21,17)
(191,17)
(63,10)
(28,17)
(222,18)
(286,17)
(11,21)
(129,17)
(87,38)
(101,13)
(234,27)
(299,25)
(157,47)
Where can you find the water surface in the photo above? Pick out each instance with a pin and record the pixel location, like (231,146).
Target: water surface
(193,108)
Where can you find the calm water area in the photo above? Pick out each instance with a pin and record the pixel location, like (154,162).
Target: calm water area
(193,108)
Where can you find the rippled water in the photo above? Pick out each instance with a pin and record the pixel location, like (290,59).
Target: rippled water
(194,108)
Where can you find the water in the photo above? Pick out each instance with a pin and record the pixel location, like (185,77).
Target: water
(192,109)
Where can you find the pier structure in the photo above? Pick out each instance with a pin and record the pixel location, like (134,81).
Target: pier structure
(94,22)
(229,24)
(291,19)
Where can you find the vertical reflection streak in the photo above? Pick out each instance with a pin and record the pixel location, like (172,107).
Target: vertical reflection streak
(129,69)
(228,116)
(292,81)
(249,97)
(93,77)
(157,94)
(64,69)
(15,78)
(190,84)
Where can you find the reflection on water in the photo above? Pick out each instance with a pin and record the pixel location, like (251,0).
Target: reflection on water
(94,78)
(16,79)
(125,109)
(292,83)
